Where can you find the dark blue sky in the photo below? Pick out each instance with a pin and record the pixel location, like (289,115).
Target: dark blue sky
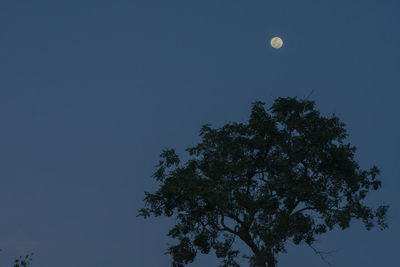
(92,91)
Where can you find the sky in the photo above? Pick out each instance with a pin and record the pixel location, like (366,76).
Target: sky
(92,91)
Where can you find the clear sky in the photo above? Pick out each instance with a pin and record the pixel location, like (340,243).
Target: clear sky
(92,91)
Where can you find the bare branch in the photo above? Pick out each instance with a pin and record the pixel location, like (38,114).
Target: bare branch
(323,255)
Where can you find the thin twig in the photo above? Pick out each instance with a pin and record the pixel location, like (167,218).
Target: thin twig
(323,255)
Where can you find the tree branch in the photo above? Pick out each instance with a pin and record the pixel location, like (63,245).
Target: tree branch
(216,226)
(225,227)
(300,210)
(323,255)
(230,214)
(242,233)
(293,208)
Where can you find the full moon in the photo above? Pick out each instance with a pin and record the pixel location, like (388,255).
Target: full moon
(276,42)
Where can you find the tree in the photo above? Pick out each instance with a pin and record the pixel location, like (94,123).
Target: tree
(286,174)
(23,262)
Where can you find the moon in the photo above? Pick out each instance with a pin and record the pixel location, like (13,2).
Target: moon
(276,42)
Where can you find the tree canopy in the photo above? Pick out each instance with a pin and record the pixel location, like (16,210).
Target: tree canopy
(23,262)
(285,175)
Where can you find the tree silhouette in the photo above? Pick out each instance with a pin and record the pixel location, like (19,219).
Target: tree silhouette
(286,174)
(23,262)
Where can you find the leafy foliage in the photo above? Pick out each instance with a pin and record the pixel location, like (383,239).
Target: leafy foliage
(286,174)
(23,262)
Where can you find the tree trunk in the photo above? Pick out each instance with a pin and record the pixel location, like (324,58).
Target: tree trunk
(265,261)
(271,262)
(271,259)
(262,259)
(261,262)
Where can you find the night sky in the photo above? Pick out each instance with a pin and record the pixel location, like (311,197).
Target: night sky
(92,91)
